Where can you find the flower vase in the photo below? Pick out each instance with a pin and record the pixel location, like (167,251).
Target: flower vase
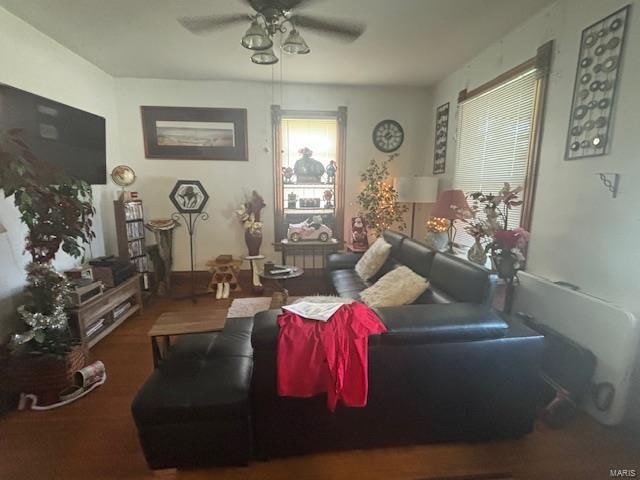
(505,265)
(476,253)
(253,243)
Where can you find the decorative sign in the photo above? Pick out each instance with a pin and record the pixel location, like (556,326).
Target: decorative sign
(442,131)
(189,196)
(595,86)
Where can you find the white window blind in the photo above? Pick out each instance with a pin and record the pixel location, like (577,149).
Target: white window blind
(494,133)
(318,134)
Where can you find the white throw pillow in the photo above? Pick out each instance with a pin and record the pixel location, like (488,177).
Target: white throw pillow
(373,259)
(401,286)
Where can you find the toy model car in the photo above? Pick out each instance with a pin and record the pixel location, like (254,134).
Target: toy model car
(310,229)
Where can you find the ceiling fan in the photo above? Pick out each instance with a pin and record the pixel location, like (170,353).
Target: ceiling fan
(270,18)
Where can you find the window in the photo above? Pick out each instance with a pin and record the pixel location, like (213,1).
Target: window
(318,194)
(497,138)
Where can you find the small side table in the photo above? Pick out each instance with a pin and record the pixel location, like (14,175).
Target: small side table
(182,323)
(280,280)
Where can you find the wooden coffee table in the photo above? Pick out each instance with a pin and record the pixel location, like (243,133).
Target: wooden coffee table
(182,323)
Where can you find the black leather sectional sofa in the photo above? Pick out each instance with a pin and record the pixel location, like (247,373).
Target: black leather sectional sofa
(451,279)
(448,368)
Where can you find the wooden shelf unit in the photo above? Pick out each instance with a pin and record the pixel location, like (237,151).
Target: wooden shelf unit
(103,307)
(130,234)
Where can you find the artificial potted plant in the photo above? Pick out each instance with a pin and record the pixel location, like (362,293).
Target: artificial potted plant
(57,211)
(379,200)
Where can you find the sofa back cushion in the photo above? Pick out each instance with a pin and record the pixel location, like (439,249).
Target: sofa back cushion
(415,255)
(461,280)
(395,239)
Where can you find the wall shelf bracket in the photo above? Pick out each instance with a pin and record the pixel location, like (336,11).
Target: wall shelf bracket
(611,181)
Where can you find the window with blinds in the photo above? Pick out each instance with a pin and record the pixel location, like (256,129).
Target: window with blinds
(317,134)
(494,140)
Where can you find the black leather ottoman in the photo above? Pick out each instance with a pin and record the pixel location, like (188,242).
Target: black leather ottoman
(194,409)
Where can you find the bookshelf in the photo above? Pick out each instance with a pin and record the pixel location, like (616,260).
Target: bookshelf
(97,318)
(131,240)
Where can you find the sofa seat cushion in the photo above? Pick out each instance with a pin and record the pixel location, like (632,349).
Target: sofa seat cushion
(346,282)
(195,390)
(233,340)
(456,322)
(434,295)
(342,261)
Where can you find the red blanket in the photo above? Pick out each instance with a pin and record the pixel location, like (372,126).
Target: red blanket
(316,357)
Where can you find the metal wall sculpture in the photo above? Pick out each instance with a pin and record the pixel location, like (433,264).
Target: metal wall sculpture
(596,82)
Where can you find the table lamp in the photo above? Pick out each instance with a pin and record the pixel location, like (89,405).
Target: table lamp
(448,206)
(416,190)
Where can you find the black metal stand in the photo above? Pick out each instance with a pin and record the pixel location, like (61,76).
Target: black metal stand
(190,220)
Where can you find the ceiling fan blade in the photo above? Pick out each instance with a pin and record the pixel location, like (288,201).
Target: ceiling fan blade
(348,31)
(207,23)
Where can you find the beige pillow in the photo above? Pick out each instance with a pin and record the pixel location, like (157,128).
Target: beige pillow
(401,286)
(373,259)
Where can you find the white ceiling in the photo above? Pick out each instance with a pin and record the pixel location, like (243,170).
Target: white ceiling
(407,42)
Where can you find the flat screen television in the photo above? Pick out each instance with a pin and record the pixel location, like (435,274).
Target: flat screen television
(65,136)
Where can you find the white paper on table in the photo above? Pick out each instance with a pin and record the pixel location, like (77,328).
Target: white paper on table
(314,311)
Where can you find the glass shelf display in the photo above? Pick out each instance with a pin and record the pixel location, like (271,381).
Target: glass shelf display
(310,166)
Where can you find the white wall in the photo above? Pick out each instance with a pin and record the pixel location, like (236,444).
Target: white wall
(579,233)
(34,62)
(226,181)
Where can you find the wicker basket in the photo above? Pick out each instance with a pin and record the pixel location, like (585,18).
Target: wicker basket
(45,375)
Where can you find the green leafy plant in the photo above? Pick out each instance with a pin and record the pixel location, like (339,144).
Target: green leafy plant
(379,200)
(57,211)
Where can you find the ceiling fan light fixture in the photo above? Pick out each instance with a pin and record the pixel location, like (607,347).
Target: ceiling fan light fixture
(264,57)
(257,37)
(295,44)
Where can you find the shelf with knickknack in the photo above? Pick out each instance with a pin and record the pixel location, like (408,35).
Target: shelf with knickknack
(310,160)
(129,215)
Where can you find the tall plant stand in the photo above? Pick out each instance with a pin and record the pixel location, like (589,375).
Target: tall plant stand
(190,220)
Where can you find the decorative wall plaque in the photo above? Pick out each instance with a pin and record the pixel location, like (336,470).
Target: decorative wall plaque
(594,91)
(442,131)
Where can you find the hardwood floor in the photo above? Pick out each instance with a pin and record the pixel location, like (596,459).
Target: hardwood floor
(95,438)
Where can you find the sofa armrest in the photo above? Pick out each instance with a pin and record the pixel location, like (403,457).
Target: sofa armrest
(265,330)
(437,323)
(342,261)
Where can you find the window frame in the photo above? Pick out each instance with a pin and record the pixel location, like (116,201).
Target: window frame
(542,63)
(277,114)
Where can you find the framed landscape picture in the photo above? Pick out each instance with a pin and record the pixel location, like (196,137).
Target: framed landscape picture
(195,133)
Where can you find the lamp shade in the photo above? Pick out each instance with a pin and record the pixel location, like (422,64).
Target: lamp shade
(256,37)
(447,199)
(416,189)
(294,43)
(264,57)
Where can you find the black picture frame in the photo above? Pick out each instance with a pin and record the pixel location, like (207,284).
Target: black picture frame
(440,139)
(189,133)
